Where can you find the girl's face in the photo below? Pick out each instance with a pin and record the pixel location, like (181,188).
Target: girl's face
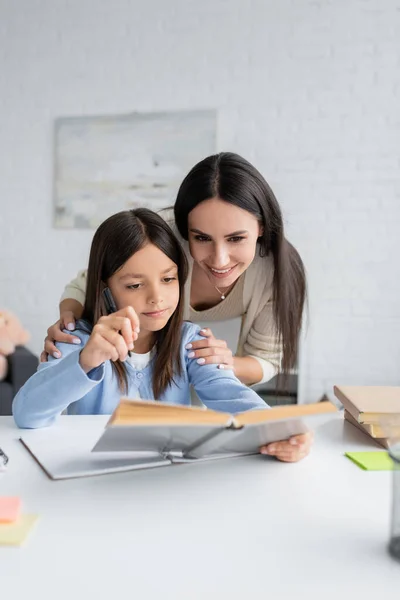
(222,240)
(148,282)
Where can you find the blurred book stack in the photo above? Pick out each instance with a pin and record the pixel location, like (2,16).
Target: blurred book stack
(375,410)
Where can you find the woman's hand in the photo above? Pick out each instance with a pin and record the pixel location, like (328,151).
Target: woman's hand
(111,338)
(210,351)
(55,333)
(291,450)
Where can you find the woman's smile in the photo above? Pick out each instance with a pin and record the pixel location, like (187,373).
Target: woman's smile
(221,273)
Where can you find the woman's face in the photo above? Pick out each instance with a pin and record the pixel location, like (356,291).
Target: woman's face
(222,240)
(148,282)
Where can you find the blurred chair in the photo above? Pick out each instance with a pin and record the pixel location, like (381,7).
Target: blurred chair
(279,389)
(21,365)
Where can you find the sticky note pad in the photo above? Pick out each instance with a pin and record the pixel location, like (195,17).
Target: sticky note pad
(14,534)
(10,507)
(372,461)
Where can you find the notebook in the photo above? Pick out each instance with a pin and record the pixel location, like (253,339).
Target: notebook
(191,432)
(370,405)
(66,454)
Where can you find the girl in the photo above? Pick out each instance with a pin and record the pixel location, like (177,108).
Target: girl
(240,265)
(136,257)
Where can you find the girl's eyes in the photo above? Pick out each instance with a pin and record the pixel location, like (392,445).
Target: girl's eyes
(136,286)
(236,239)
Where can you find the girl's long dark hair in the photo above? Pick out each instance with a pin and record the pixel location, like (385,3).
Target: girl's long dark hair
(233,179)
(115,241)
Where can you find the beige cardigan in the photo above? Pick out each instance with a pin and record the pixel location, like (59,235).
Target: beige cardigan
(257,335)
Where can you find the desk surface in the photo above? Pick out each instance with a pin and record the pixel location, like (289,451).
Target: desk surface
(248,527)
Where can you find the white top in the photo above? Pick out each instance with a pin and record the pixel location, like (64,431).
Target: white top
(140,361)
(251,299)
(249,527)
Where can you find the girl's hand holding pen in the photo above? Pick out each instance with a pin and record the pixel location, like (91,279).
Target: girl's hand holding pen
(111,339)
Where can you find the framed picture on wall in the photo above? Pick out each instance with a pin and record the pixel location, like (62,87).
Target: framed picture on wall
(107,164)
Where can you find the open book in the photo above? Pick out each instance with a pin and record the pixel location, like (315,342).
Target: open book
(144,435)
(180,433)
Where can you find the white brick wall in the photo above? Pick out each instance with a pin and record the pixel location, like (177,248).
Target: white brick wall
(308,90)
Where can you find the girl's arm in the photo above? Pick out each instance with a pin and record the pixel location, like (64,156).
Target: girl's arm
(217,388)
(55,385)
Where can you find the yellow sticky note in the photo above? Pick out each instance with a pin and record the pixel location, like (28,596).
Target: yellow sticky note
(10,507)
(14,534)
(372,461)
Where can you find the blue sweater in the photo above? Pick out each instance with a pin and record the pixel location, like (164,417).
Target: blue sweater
(62,384)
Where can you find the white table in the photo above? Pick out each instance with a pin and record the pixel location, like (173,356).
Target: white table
(243,528)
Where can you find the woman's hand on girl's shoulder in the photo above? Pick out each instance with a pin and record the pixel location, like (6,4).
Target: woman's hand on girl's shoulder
(55,333)
(210,351)
(111,339)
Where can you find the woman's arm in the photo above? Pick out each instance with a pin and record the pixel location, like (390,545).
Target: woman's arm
(76,289)
(70,311)
(71,307)
(262,346)
(250,369)
(247,369)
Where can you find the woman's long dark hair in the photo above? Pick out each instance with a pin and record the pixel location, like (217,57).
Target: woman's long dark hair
(233,179)
(115,241)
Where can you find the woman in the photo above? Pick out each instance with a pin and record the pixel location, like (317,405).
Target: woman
(240,265)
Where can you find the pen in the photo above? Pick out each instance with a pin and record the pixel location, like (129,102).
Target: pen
(110,305)
(3,460)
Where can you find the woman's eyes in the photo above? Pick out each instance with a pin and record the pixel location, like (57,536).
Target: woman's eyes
(169,279)
(235,239)
(201,238)
(133,286)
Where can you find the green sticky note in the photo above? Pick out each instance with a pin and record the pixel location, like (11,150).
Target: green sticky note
(372,461)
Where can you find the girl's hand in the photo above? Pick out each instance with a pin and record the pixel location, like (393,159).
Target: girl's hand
(55,334)
(111,338)
(210,351)
(291,450)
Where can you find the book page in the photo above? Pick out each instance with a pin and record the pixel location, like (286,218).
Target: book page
(252,436)
(137,412)
(280,413)
(154,437)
